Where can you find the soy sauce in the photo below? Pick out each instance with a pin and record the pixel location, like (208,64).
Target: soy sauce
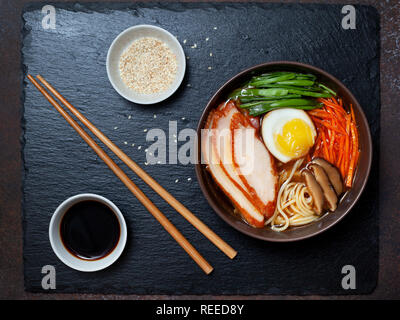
(90,230)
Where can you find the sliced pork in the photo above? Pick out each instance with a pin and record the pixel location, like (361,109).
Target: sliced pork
(254,164)
(254,199)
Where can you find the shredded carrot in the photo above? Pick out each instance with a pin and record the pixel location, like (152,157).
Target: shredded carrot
(325,147)
(319,114)
(341,154)
(339,159)
(337,136)
(347,145)
(354,155)
(352,113)
(328,125)
(331,143)
(334,106)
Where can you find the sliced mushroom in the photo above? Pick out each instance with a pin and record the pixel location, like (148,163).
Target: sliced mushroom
(333,174)
(323,180)
(315,191)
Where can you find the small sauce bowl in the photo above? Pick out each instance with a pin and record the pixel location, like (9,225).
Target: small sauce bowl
(123,41)
(72,260)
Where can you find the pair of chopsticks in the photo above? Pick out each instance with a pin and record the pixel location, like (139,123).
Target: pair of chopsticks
(169,227)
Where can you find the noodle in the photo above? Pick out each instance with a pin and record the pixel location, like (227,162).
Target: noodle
(294,203)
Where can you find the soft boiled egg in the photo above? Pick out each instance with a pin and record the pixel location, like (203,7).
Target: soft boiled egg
(288,133)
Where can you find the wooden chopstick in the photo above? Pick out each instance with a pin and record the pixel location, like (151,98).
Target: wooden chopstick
(189,216)
(169,227)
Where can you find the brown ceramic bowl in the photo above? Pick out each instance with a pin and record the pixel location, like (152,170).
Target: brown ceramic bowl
(222,205)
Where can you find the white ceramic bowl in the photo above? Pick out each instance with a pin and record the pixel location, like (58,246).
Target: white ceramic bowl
(64,255)
(122,41)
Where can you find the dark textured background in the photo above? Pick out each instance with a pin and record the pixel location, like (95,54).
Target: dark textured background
(10,228)
(58,164)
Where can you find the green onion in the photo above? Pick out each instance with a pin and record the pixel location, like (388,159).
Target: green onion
(261,109)
(282,86)
(264,92)
(281,103)
(327,89)
(266,80)
(310,93)
(280,89)
(304,76)
(298,83)
(246,99)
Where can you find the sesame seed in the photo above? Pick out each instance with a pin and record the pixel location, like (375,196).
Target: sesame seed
(215,28)
(177,180)
(133,144)
(189,85)
(155,116)
(146,163)
(125,142)
(207,39)
(210,54)
(145,150)
(145,130)
(194,46)
(140,147)
(209,68)
(187,58)
(115,128)
(184,41)
(189,179)
(148,66)
(129,117)
(183,118)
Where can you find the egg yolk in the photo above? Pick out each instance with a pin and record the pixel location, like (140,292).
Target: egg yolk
(295,139)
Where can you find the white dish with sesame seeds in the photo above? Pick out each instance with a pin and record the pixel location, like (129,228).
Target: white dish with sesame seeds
(126,63)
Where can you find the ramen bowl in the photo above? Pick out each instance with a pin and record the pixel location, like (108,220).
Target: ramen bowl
(221,203)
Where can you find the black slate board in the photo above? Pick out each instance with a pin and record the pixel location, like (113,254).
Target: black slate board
(58,164)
